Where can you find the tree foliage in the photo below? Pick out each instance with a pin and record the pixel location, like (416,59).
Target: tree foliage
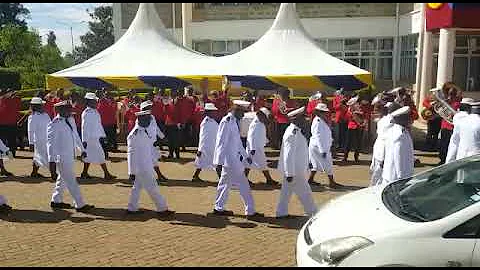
(13,13)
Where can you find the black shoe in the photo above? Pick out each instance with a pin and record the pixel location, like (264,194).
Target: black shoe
(197,180)
(5,209)
(250,183)
(166,213)
(283,217)
(110,177)
(335,185)
(60,205)
(36,175)
(6,173)
(273,183)
(86,176)
(255,216)
(222,213)
(85,209)
(313,183)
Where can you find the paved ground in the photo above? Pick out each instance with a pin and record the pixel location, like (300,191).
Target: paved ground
(36,236)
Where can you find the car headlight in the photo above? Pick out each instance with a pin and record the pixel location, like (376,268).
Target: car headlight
(335,250)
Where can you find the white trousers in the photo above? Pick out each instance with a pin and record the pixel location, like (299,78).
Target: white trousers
(3,200)
(300,186)
(229,177)
(376,173)
(40,157)
(66,177)
(320,164)
(95,153)
(148,182)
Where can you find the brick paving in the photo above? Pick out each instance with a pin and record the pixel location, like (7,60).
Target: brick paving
(34,235)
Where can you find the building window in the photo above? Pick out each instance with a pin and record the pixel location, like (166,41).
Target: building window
(203,46)
(233,46)
(352,44)
(408,58)
(219,46)
(335,45)
(385,44)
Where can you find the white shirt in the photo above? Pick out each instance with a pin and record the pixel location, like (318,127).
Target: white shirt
(469,134)
(228,147)
(382,130)
(321,135)
(399,159)
(139,143)
(92,128)
(207,136)
(245,123)
(294,153)
(152,129)
(257,136)
(62,140)
(454,150)
(37,128)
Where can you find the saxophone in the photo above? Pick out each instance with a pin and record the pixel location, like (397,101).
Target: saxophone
(441,106)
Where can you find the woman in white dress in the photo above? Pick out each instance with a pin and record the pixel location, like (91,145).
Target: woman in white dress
(37,135)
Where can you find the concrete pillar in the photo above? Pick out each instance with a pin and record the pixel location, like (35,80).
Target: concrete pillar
(418,77)
(427,59)
(187,9)
(446,51)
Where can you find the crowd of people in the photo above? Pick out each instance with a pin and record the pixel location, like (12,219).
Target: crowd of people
(231,137)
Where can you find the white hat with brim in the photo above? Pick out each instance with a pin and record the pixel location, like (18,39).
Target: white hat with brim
(403,110)
(241,103)
(147,112)
(467,101)
(395,90)
(322,107)
(63,103)
(265,111)
(376,99)
(296,112)
(210,107)
(145,104)
(37,100)
(91,96)
(352,101)
(388,104)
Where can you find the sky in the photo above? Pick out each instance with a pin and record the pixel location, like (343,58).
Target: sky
(58,17)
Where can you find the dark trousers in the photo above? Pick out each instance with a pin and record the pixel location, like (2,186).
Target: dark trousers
(173,140)
(8,134)
(244,142)
(445,135)
(111,132)
(186,135)
(281,131)
(341,129)
(433,128)
(353,141)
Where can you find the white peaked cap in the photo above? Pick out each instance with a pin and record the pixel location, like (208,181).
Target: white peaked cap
(147,112)
(37,100)
(388,104)
(468,101)
(265,111)
(322,107)
(376,99)
(352,101)
(297,111)
(395,90)
(401,111)
(145,104)
(63,103)
(242,103)
(91,95)
(210,107)
(435,89)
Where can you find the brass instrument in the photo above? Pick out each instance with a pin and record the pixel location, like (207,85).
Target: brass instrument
(441,106)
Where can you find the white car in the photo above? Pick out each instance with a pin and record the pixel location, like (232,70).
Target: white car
(430,219)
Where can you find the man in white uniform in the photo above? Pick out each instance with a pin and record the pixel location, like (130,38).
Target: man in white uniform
(399,159)
(4,152)
(467,133)
(5,209)
(206,142)
(93,135)
(229,157)
(156,135)
(256,142)
(378,155)
(37,135)
(62,140)
(458,118)
(293,165)
(140,166)
(319,150)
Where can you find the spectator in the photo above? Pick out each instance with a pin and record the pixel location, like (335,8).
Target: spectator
(10,106)
(130,117)
(172,115)
(107,108)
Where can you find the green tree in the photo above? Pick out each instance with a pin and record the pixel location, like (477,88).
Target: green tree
(52,39)
(99,37)
(13,13)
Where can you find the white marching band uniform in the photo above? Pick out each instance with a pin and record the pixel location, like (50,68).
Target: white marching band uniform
(293,162)
(92,131)
(320,142)
(62,141)
(206,143)
(465,140)
(153,132)
(257,140)
(455,151)
(399,159)
(139,142)
(37,136)
(378,155)
(229,153)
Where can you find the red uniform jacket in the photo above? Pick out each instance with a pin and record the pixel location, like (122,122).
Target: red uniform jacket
(158,110)
(222,102)
(10,111)
(77,110)
(351,123)
(130,116)
(107,109)
(455,105)
(277,115)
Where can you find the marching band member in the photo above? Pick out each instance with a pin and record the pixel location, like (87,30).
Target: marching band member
(37,135)
(355,129)
(467,134)
(463,112)
(293,165)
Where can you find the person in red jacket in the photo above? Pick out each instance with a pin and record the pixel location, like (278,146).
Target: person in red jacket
(10,106)
(433,125)
(107,108)
(184,105)
(453,98)
(341,121)
(130,117)
(356,124)
(222,101)
(172,124)
(280,107)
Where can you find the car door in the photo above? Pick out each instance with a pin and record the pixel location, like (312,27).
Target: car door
(469,234)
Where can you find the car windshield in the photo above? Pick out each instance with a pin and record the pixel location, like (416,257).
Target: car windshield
(436,193)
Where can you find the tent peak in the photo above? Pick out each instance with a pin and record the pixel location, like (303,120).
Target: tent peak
(287,18)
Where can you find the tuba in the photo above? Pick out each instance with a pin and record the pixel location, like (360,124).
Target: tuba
(441,106)
(282,107)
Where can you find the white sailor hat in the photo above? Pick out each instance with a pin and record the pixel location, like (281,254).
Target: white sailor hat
(241,103)
(265,111)
(145,104)
(352,101)
(295,112)
(147,112)
(37,100)
(395,90)
(210,107)
(468,101)
(63,103)
(388,104)
(322,107)
(376,99)
(403,110)
(91,95)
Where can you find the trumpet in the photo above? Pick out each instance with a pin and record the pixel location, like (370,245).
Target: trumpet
(441,106)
